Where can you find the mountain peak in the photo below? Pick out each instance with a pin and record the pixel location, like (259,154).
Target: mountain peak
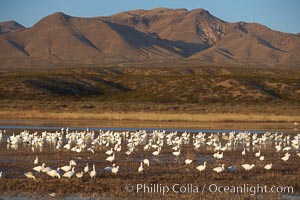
(199,10)
(196,26)
(55,17)
(58,14)
(11,25)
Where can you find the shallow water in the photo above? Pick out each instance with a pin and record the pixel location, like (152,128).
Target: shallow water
(278,126)
(129,129)
(21,154)
(15,160)
(49,197)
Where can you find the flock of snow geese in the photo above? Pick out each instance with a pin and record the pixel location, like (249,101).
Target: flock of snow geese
(154,142)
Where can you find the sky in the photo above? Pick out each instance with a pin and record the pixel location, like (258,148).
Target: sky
(282,15)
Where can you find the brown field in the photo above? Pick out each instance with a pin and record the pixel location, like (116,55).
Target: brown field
(192,90)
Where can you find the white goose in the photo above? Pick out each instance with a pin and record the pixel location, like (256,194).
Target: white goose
(115,170)
(156,153)
(68,146)
(45,169)
(54,173)
(268,166)
(141,168)
(188,161)
(73,163)
(286,148)
(244,152)
(36,160)
(261,158)
(91,150)
(86,168)
(286,157)
(109,152)
(146,162)
(220,156)
(69,174)
(79,175)
(248,167)
(219,169)
(29,175)
(39,168)
(201,168)
(66,168)
(93,172)
(257,154)
(176,153)
(111,158)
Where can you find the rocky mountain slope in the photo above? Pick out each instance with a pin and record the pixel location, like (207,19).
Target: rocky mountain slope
(145,36)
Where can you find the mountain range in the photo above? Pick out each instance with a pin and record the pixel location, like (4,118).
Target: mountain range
(140,36)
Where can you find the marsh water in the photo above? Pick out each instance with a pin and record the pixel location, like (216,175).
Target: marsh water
(17,159)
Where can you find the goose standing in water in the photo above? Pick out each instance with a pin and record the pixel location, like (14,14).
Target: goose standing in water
(262,158)
(220,156)
(176,153)
(29,175)
(54,173)
(285,158)
(66,168)
(111,158)
(257,154)
(72,162)
(244,152)
(201,168)
(219,169)
(248,167)
(146,162)
(141,168)
(86,168)
(115,170)
(36,160)
(79,175)
(109,152)
(45,169)
(69,174)
(68,146)
(93,172)
(39,168)
(188,161)
(268,166)
(156,153)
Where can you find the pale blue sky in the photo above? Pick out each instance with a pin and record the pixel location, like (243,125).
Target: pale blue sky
(282,15)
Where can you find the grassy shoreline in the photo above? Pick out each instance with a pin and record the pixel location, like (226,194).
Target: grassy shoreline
(150,116)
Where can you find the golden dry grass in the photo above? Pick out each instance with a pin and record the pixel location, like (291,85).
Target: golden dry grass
(149,116)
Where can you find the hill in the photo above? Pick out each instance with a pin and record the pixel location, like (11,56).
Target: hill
(145,36)
(10,26)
